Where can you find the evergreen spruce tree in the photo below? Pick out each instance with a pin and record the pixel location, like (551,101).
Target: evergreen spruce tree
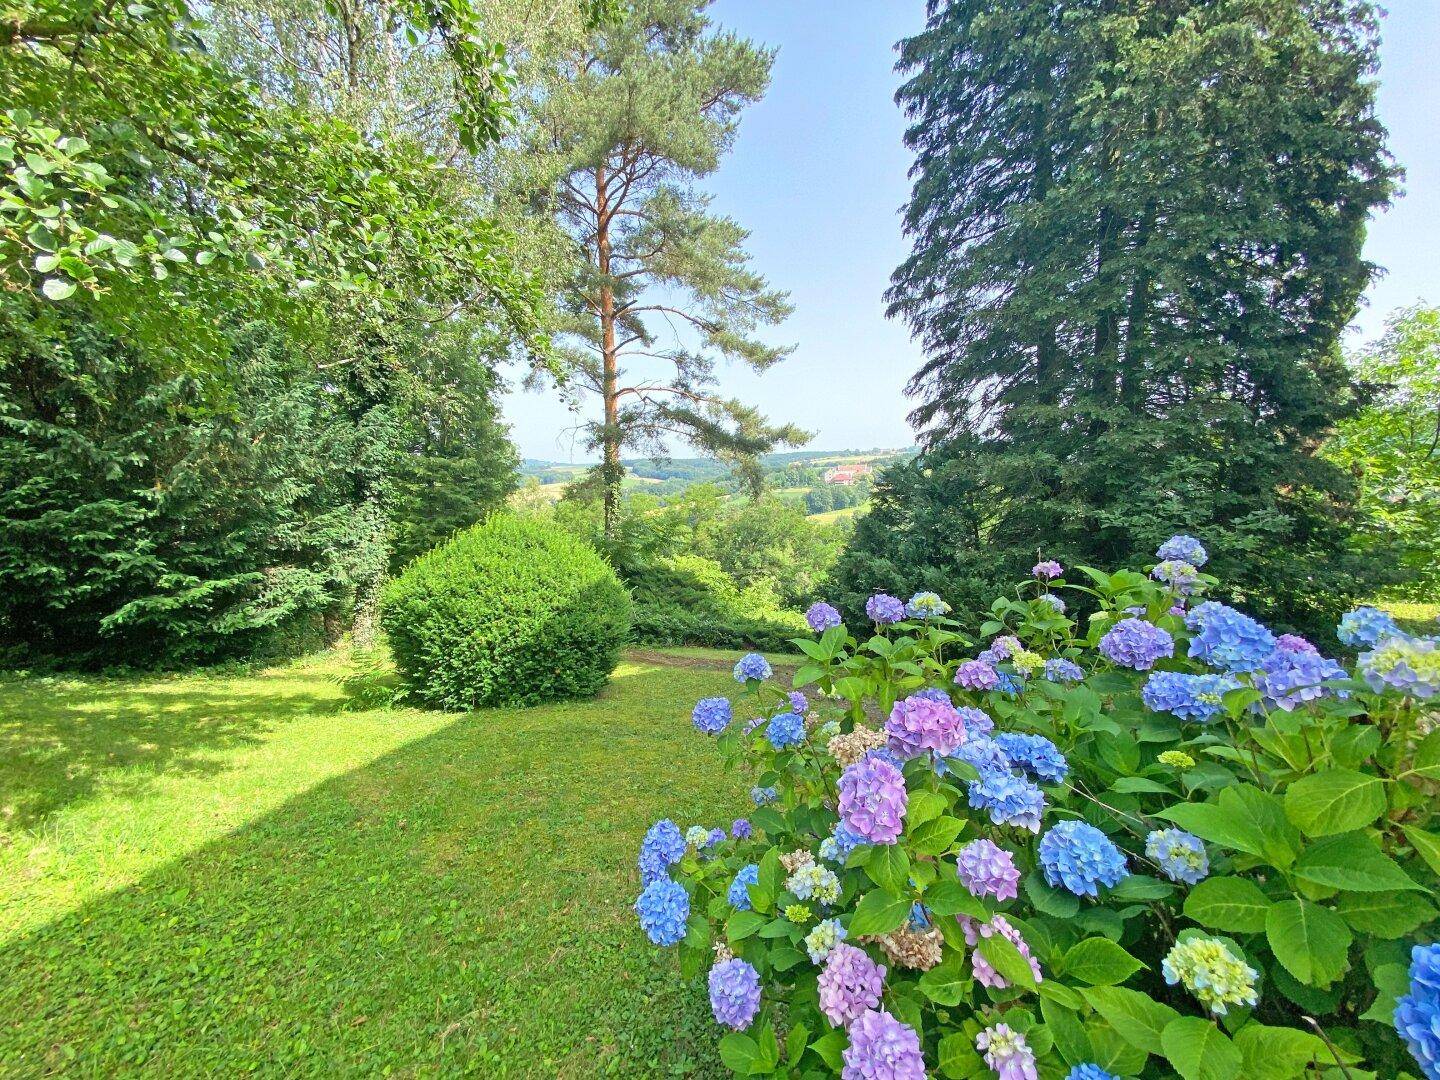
(1137,231)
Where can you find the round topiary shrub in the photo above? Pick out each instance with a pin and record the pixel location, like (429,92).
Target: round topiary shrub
(509,612)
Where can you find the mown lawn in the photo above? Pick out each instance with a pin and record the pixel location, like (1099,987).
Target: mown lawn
(235,875)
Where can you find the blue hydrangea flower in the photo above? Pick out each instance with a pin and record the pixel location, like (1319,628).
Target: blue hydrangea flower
(1135,643)
(763,796)
(697,836)
(785,730)
(664,907)
(738,894)
(821,616)
(1035,754)
(925,605)
(717,836)
(752,667)
(1180,576)
(1228,639)
(1080,857)
(1408,664)
(1417,1014)
(662,847)
(1183,548)
(1088,1071)
(734,993)
(1054,601)
(1179,854)
(711,715)
(1009,799)
(884,609)
(1009,684)
(1060,670)
(840,843)
(1289,678)
(985,754)
(1366,627)
(1190,697)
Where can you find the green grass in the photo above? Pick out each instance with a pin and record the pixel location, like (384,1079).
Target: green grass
(829,517)
(1414,618)
(222,875)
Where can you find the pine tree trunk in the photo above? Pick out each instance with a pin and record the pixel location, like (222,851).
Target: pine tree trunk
(610,469)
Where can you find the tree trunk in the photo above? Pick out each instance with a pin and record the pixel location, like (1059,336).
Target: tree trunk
(610,469)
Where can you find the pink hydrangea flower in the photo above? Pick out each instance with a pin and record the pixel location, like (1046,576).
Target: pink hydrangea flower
(850,983)
(923,722)
(873,799)
(987,870)
(985,974)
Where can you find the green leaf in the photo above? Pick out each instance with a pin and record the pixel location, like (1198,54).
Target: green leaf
(1141,887)
(1005,958)
(1137,1018)
(1385,915)
(949,897)
(948,983)
(1067,1031)
(1311,941)
(739,1051)
(783,958)
(1049,900)
(767,1056)
(958,1058)
(1228,903)
(795,1043)
(1199,1050)
(1334,801)
(771,877)
(831,1049)
(1391,980)
(1279,1053)
(922,807)
(878,913)
(1426,763)
(1242,818)
(936,836)
(743,924)
(58,288)
(1100,962)
(1352,862)
(1426,845)
(889,867)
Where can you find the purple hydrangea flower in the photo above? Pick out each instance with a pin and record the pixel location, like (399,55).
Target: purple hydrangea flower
(1290,678)
(1183,548)
(752,667)
(821,617)
(1179,854)
(1035,754)
(1080,857)
(977,675)
(977,722)
(1228,639)
(1190,697)
(1002,648)
(1417,1014)
(711,715)
(785,730)
(850,982)
(663,907)
(739,892)
(882,1048)
(1135,643)
(1009,799)
(740,829)
(1007,1053)
(1294,643)
(923,723)
(884,609)
(1366,626)
(873,799)
(987,870)
(799,703)
(717,836)
(663,846)
(734,993)
(1060,670)
(1048,569)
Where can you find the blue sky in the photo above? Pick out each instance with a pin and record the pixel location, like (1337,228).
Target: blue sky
(818,176)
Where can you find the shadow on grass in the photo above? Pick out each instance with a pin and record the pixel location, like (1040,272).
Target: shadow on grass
(461,905)
(62,740)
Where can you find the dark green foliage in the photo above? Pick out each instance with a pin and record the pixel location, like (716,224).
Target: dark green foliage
(509,612)
(690,600)
(1137,234)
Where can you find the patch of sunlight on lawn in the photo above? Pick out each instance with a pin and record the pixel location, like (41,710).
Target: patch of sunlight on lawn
(103,780)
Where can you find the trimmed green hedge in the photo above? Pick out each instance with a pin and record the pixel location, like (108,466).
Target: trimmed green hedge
(509,612)
(690,600)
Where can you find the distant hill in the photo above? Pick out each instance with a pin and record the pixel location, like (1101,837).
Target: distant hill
(699,470)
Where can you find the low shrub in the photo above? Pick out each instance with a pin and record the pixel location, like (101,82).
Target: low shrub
(1166,843)
(691,600)
(509,612)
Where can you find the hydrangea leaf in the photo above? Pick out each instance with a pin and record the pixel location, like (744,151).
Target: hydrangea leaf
(878,913)
(935,836)
(1005,958)
(1426,845)
(889,867)
(958,1058)
(1100,962)
(1199,1050)
(949,982)
(1280,1053)
(739,1051)
(1386,915)
(1228,903)
(949,897)
(1136,1017)
(1049,900)
(1311,941)
(1334,801)
(1068,1032)
(1352,862)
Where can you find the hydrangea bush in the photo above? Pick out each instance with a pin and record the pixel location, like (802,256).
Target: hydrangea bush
(1128,833)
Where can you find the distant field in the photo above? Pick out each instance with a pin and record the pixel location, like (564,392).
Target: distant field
(829,517)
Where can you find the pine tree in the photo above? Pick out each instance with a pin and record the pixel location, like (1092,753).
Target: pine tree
(1137,232)
(661,286)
